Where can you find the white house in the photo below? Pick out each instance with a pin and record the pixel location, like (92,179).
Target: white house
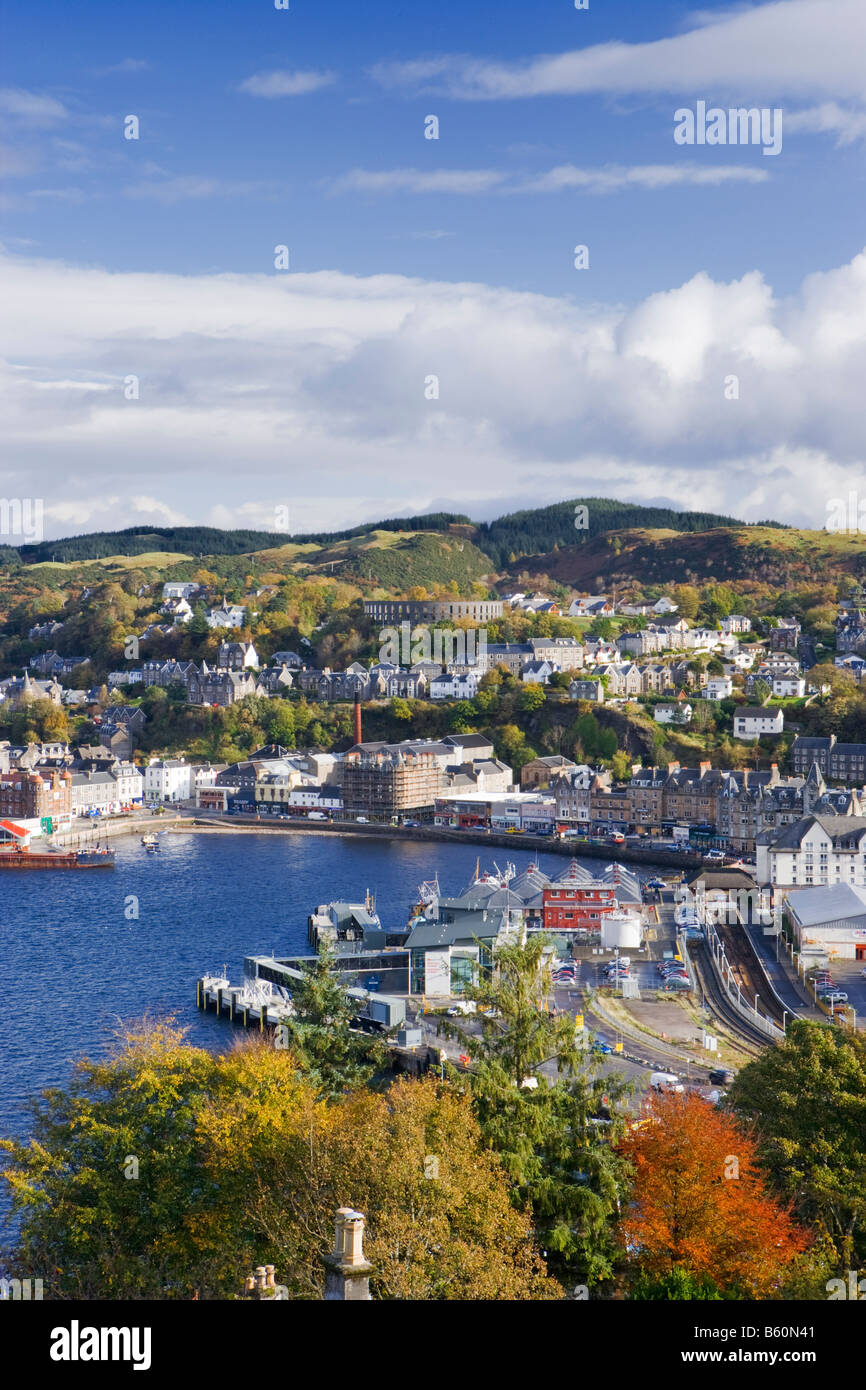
(702,639)
(718,688)
(673,714)
(170,780)
(129,783)
(455,685)
(117,678)
(177,609)
(176,588)
(230,615)
(753,722)
(784,686)
(735,622)
(743,659)
(591,606)
(538,672)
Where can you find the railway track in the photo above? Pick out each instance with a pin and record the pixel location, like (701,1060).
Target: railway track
(747,970)
(718,1000)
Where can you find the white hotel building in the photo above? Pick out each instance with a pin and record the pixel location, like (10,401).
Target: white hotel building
(815,851)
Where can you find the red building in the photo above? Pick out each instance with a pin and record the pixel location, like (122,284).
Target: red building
(576,901)
(570,909)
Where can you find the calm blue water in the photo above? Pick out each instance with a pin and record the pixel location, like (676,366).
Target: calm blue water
(72,964)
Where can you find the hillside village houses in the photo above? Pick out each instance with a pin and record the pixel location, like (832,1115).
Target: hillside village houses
(536,659)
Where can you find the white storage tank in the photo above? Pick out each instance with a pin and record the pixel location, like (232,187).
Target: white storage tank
(621,930)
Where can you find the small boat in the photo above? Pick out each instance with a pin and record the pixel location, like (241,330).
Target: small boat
(150,841)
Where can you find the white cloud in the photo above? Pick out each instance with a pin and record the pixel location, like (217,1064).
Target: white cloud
(184,187)
(419,181)
(125,65)
(31,108)
(608,179)
(790,48)
(847,124)
(308,391)
(649,176)
(286,84)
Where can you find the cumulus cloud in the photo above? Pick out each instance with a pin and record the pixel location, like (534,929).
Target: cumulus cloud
(309,391)
(286,84)
(791,48)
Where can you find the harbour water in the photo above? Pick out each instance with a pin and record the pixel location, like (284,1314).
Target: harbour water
(75,959)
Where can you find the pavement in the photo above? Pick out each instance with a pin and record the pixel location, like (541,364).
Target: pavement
(793,994)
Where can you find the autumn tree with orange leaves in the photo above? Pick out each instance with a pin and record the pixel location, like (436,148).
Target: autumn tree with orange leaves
(699,1204)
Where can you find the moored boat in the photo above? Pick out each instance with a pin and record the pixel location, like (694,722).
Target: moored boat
(56,859)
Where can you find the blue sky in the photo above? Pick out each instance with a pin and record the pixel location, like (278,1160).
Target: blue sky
(412,257)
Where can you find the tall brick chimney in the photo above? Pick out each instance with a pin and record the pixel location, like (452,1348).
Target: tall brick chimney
(358,738)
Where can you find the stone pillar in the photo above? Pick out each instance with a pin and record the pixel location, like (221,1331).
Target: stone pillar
(347,1272)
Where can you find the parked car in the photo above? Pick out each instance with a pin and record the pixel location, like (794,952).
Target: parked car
(836,996)
(720,1076)
(656,883)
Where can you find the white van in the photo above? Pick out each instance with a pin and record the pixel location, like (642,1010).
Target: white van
(666,1081)
(462,1008)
